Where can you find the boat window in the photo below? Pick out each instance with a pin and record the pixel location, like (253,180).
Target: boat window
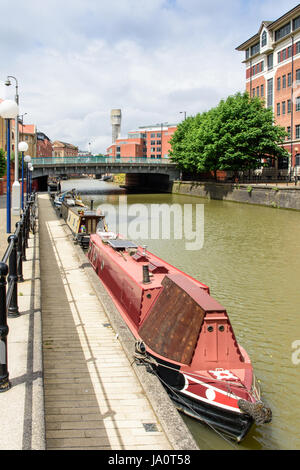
(221,328)
(210,329)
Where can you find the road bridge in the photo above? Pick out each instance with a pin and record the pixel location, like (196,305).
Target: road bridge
(139,171)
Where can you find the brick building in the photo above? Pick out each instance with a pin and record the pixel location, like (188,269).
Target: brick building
(63,149)
(272,62)
(43,145)
(145,142)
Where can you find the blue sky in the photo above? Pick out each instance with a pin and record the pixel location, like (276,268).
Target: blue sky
(75,60)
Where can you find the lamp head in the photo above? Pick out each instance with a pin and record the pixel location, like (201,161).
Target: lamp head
(7,82)
(9,109)
(23,146)
(27,158)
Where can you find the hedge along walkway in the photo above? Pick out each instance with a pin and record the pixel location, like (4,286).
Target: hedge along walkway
(93,399)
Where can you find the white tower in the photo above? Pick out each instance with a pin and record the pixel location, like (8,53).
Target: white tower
(115,118)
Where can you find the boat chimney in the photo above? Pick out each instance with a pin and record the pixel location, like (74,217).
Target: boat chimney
(92,204)
(144,250)
(146,277)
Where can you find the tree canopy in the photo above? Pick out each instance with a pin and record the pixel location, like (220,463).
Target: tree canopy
(2,163)
(235,135)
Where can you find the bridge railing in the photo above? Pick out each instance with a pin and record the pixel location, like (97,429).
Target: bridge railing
(98,159)
(11,273)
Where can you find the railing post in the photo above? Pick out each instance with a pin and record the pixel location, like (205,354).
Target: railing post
(19,226)
(13,310)
(4,382)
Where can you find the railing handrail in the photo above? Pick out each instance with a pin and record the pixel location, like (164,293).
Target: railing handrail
(100,159)
(10,275)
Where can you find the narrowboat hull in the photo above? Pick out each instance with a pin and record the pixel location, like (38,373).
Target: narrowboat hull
(183,335)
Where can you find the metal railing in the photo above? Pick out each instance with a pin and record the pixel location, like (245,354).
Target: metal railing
(98,159)
(11,273)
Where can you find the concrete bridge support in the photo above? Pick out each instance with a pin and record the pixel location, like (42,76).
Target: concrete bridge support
(147,181)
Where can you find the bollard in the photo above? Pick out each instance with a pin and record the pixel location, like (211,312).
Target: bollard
(4,382)
(19,225)
(13,310)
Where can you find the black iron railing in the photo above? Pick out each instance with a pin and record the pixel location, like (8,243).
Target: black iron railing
(11,273)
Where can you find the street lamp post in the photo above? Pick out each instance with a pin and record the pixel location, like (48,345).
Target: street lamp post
(27,159)
(8,110)
(183,112)
(30,180)
(16,184)
(23,147)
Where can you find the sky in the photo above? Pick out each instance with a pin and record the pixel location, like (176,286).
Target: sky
(75,60)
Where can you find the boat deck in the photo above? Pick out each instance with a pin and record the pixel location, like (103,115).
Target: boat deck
(93,399)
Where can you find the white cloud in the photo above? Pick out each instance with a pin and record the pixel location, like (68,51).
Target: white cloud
(76,60)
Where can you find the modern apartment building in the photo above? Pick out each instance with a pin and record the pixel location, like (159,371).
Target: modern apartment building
(145,142)
(272,63)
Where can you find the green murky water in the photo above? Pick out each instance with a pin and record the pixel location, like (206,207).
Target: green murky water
(250,259)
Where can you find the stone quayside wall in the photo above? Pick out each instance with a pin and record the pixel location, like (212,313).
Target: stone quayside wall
(287,197)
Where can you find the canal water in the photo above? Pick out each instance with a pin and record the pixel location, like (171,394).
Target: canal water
(250,259)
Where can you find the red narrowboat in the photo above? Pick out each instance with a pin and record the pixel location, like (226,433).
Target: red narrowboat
(183,333)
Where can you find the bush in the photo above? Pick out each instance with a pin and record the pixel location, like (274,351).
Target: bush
(2,163)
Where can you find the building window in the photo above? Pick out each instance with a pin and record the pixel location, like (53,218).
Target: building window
(158,155)
(152,149)
(289,106)
(298,76)
(270,93)
(255,49)
(270,61)
(298,103)
(253,91)
(283,107)
(298,131)
(263,39)
(289,51)
(289,79)
(296,23)
(284,54)
(257,91)
(278,57)
(152,156)
(158,134)
(247,53)
(262,90)
(278,109)
(158,142)
(288,129)
(158,149)
(298,47)
(283,81)
(283,31)
(278,83)
(152,142)
(152,136)
(297,159)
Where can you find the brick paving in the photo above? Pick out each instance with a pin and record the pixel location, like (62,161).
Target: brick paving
(93,400)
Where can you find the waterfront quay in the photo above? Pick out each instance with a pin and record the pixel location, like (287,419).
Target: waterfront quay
(74,382)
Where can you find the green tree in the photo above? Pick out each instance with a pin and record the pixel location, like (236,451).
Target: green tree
(2,163)
(235,135)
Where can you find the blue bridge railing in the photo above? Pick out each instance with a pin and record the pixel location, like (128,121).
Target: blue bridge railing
(98,159)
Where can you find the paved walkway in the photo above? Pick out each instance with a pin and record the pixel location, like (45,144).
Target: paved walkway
(22,407)
(93,399)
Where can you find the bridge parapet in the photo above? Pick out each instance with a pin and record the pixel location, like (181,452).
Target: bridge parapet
(41,161)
